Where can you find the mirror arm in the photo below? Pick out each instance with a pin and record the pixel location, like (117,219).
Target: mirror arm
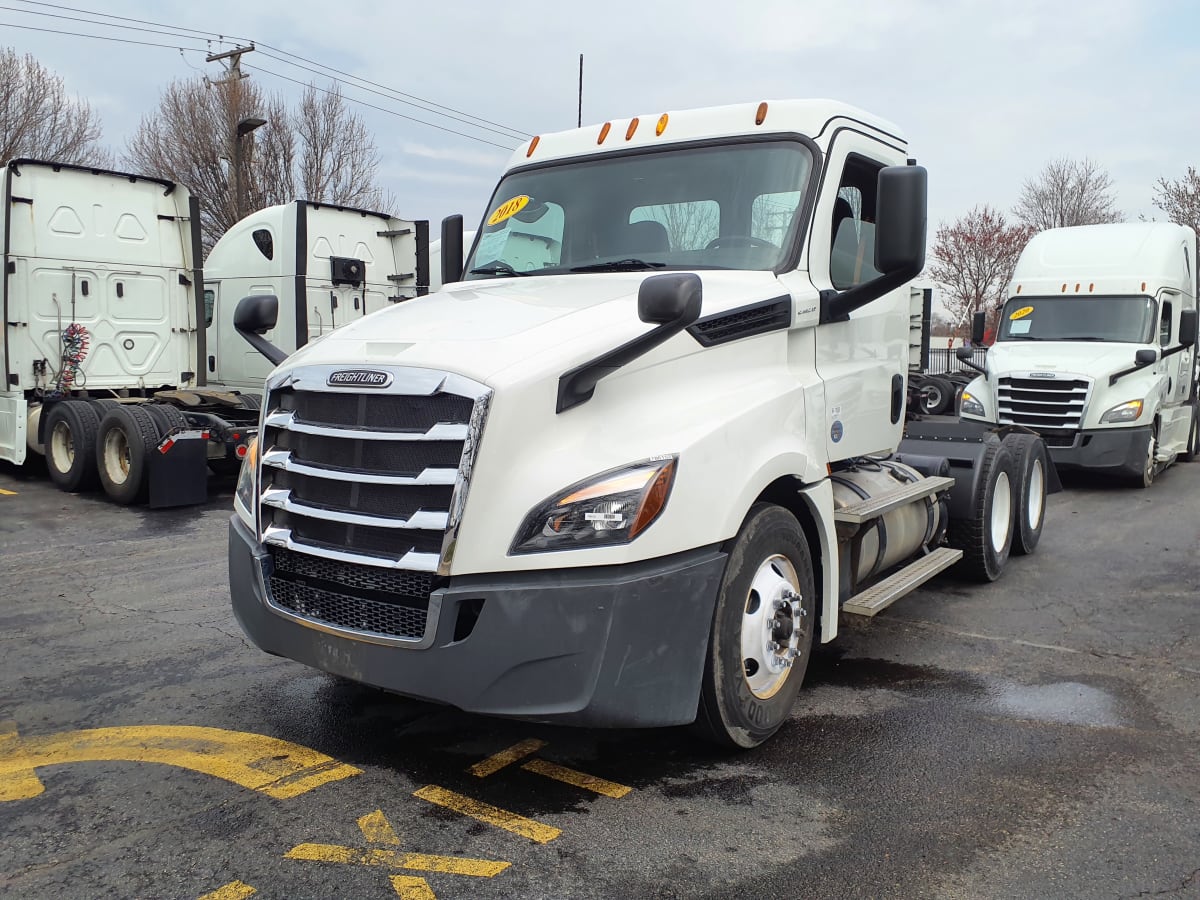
(263,346)
(971,364)
(836,306)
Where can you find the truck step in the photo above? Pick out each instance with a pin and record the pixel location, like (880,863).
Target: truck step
(873,507)
(885,593)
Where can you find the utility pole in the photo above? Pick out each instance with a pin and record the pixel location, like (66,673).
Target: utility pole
(239,126)
(579,118)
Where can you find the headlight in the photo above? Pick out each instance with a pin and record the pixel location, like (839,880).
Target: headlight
(970,405)
(611,508)
(243,497)
(1123,412)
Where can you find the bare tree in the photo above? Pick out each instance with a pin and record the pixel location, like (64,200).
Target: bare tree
(973,260)
(38,119)
(320,148)
(1180,199)
(1068,192)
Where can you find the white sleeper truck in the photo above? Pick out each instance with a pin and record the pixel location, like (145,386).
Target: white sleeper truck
(1095,349)
(628,467)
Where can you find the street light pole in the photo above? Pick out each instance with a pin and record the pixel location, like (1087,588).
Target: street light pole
(244,127)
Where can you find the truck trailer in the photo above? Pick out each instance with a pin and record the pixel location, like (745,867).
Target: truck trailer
(628,467)
(1095,349)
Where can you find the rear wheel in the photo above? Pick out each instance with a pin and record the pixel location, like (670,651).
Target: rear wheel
(1029,468)
(127,437)
(70,431)
(762,631)
(986,536)
(167,417)
(936,396)
(250,401)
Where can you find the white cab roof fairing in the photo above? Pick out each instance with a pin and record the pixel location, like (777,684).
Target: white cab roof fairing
(1107,260)
(235,255)
(817,119)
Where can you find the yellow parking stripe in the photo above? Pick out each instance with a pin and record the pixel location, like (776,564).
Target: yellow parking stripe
(377,829)
(411,887)
(578,779)
(235,890)
(8,493)
(494,764)
(492,815)
(395,859)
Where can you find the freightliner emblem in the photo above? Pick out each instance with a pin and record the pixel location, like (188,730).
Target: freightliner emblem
(1042,375)
(359,378)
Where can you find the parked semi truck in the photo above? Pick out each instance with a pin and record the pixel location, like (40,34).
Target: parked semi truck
(628,467)
(1095,349)
(106,355)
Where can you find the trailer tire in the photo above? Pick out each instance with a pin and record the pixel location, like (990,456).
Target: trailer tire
(765,612)
(70,431)
(167,417)
(986,537)
(127,437)
(1030,463)
(1192,450)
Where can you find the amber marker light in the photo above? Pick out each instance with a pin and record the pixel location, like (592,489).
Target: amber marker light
(633,124)
(655,500)
(604,132)
(1143,287)
(661,126)
(532,146)
(761,115)
(1019,288)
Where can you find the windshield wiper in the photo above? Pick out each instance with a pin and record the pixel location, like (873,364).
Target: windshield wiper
(497,268)
(1082,337)
(1023,337)
(619,265)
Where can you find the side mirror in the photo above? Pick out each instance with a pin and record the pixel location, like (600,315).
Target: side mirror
(1145,358)
(1187,327)
(255,316)
(901,220)
(978,328)
(452,249)
(668,298)
(257,313)
(964,353)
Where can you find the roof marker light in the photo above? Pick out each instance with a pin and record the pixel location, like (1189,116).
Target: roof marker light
(532,146)
(1091,287)
(661,126)
(1143,287)
(604,132)
(1064,287)
(761,115)
(633,124)
(1018,288)
(1077,287)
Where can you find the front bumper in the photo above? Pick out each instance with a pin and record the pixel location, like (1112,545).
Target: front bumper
(1113,450)
(619,646)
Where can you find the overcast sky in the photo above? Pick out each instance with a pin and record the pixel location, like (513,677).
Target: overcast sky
(986,92)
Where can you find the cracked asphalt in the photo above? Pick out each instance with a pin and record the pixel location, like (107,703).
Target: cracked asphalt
(1033,738)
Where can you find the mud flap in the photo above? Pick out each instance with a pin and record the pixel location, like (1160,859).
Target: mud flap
(179,470)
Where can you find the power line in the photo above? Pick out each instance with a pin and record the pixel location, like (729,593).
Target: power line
(390,112)
(33,12)
(127,19)
(104,37)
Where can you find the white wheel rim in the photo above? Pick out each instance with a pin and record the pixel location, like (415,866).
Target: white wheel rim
(62,447)
(1037,495)
(1149,475)
(769,645)
(116,456)
(1001,512)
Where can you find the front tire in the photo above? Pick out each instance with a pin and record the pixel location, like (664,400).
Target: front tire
(762,632)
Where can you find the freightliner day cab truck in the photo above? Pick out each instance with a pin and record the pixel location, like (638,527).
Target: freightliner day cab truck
(627,468)
(1096,349)
(109,370)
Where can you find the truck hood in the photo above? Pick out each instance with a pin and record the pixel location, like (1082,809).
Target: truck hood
(480,329)
(1079,357)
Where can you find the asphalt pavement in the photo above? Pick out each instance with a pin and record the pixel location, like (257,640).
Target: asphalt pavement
(1032,738)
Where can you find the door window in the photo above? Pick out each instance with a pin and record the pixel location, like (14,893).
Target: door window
(852,255)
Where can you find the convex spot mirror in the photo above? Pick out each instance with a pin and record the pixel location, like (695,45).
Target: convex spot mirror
(670,297)
(1145,357)
(257,313)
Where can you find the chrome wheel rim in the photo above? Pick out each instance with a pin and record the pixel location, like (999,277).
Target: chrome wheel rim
(772,626)
(62,447)
(1001,512)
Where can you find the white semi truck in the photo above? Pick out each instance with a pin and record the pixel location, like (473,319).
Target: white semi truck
(627,468)
(106,356)
(1095,349)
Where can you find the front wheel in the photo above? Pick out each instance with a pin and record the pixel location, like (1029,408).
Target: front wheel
(1193,443)
(762,631)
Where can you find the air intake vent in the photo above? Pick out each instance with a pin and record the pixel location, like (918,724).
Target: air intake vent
(757,318)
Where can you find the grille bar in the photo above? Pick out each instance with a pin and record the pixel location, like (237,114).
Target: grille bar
(282,499)
(442,431)
(282,459)
(1042,403)
(412,560)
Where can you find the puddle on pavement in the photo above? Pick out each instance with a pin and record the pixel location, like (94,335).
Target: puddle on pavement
(1063,703)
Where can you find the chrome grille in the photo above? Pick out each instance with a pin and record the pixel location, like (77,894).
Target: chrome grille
(1042,403)
(368,483)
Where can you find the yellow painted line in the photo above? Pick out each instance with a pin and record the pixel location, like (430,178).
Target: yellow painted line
(410,887)
(579,779)
(8,493)
(495,763)
(492,815)
(235,890)
(395,859)
(377,829)
(279,769)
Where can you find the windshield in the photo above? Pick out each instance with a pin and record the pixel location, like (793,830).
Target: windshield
(724,207)
(1127,320)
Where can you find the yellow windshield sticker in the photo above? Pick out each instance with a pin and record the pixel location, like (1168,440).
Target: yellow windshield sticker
(1021,313)
(507,209)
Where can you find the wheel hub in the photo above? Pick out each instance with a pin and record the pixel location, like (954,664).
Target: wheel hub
(772,627)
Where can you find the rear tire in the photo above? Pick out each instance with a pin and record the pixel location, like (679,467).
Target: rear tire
(71,427)
(1030,464)
(986,537)
(762,632)
(936,395)
(250,401)
(127,437)
(168,418)
(103,404)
